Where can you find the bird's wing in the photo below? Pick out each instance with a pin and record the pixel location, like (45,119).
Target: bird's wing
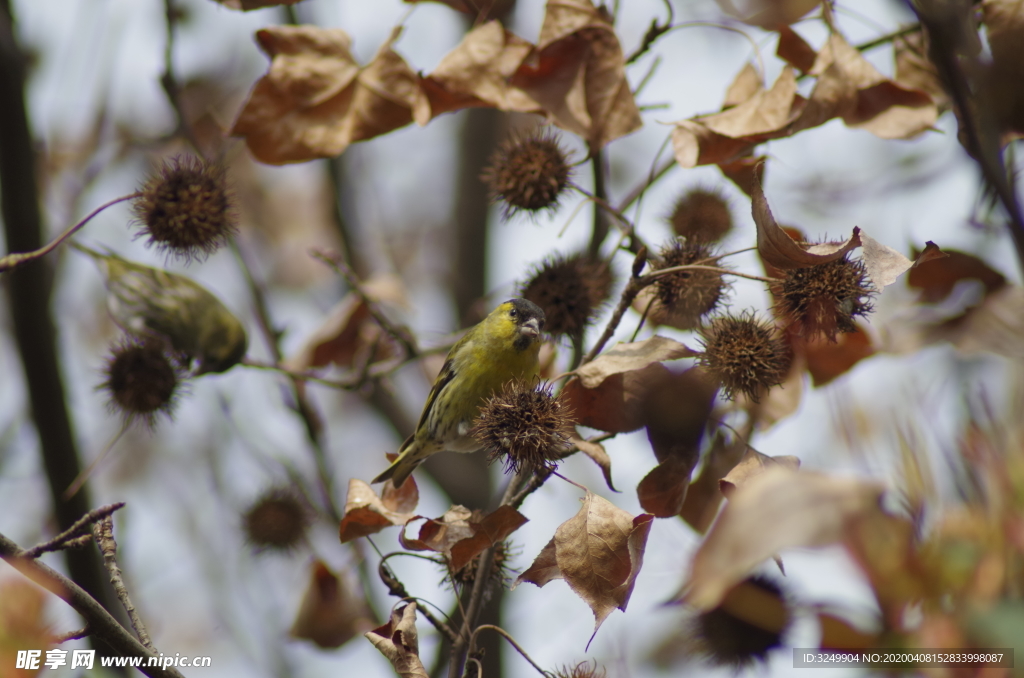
(443,379)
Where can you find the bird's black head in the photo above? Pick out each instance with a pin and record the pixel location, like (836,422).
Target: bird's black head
(529,320)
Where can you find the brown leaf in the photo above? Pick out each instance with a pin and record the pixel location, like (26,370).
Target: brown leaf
(777,248)
(769,14)
(349,335)
(494,528)
(694,144)
(599,552)
(746,84)
(599,456)
(676,410)
(916,71)
(442,533)
(752,465)
(827,360)
(366,513)
(849,87)
(996,325)
(1004,25)
(616,405)
(628,357)
(782,400)
(577,73)
(742,171)
(397,640)
(330,615)
(247,5)
(663,489)
(937,277)
(839,634)
(704,496)
(477,73)
(315,100)
(777,510)
(794,50)
(764,113)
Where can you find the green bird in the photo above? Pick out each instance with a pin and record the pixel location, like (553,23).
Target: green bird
(149,302)
(502,347)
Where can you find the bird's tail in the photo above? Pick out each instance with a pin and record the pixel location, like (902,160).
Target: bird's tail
(409,457)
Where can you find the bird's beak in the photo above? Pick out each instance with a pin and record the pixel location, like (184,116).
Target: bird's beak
(531,328)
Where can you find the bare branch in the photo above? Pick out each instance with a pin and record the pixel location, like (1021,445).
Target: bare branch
(103,531)
(80,528)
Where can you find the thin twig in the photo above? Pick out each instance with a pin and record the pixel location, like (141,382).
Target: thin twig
(400,334)
(632,288)
(103,531)
(72,635)
(889,37)
(505,634)
(600,227)
(642,187)
(397,588)
(79,529)
(101,623)
(716,269)
(621,221)
(17,258)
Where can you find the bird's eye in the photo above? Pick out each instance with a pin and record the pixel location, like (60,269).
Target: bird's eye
(513,312)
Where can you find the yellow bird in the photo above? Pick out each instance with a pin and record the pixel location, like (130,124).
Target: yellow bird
(502,347)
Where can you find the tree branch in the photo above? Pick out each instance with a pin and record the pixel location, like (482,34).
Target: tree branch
(103,531)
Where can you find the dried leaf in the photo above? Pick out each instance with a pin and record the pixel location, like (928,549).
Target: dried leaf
(794,50)
(349,335)
(916,71)
(769,14)
(493,529)
(742,171)
(996,325)
(1004,25)
(936,278)
(330,614)
(827,360)
(315,100)
(663,489)
(616,405)
(676,411)
(442,533)
(777,248)
(577,73)
(745,85)
(704,496)
(599,552)
(764,113)
(838,634)
(366,513)
(883,263)
(397,640)
(783,399)
(849,87)
(752,465)
(477,73)
(628,357)
(777,510)
(598,454)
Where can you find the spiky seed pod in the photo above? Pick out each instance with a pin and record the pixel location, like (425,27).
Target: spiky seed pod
(701,215)
(683,298)
(142,381)
(571,290)
(528,172)
(524,425)
(723,636)
(744,354)
(276,521)
(499,574)
(581,670)
(824,299)
(186,209)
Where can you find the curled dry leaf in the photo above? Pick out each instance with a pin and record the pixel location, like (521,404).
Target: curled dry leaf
(752,465)
(628,357)
(915,70)
(745,85)
(883,263)
(330,614)
(599,553)
(599,456)
(577,74)
(349,335)
(493,529)
(849,87)
(397,640)
(704,497)
(794,50)
(476,73)
(616,404)
(315,100)
(768,14)
(996,325)
(779,509)
(780,250)
(366,513)
(440,534)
